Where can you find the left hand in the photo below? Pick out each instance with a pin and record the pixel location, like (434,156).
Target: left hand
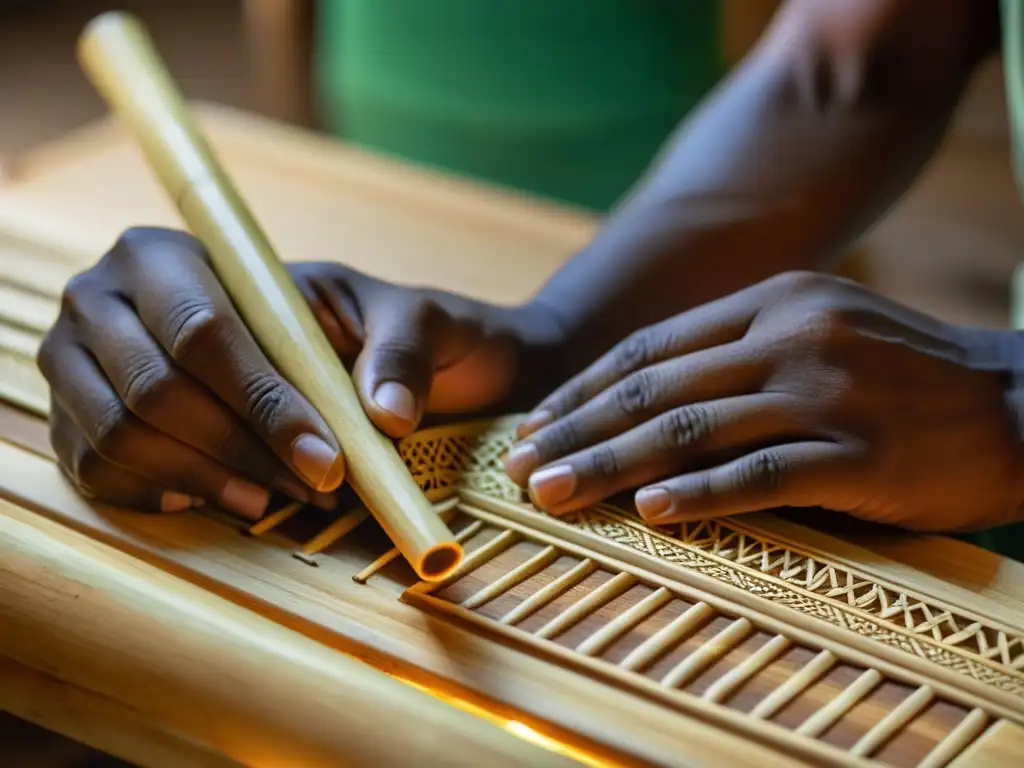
(802,391)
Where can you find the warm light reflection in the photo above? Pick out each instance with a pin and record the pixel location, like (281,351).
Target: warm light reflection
(516,728)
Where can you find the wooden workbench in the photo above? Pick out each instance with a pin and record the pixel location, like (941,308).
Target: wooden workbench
(319,200)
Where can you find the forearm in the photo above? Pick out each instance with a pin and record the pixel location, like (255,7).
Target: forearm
(805,146)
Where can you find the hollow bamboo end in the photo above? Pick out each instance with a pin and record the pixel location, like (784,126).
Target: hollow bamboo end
(439,562)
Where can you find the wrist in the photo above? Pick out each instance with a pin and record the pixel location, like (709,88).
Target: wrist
(540,341)
(1002,352)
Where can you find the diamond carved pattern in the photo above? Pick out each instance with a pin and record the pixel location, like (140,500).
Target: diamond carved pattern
(445,459)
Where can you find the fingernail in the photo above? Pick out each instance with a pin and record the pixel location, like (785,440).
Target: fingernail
(246,499)
(320,464)
(172,501)
(652,503)
(552,486)
(534,422)
(521,461)
(397,400)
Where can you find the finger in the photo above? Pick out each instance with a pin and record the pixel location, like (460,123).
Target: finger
(153,388)
(333,305)
(677,440)
(709,325)
(98,479)
(806,474)
(184,306)
(407,341)
(120,438)
(704,376)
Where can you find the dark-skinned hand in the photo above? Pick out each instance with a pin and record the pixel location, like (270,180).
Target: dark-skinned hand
(801,391)
(162,400)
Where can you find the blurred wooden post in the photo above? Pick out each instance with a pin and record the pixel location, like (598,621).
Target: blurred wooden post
(279,50)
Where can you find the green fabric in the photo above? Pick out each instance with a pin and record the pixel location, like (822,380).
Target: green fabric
(568,99)
(1009,540)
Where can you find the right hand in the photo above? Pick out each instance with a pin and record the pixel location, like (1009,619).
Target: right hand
(162,400)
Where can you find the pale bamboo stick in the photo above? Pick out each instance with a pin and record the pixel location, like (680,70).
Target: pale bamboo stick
(517,575)
(545,595)
(728,683)
(337,530)
(830,714)
(118,56)
(887,727)
(661,641)
(708,653)
(624,622)
(586,605)
(275,519)
(794,686)
(956,740)
(446,511)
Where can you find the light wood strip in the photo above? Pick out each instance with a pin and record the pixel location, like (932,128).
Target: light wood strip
(708,653)
(889,725)
(728,683)
(830,714)
(517,575)
(19,342)
(481,555)
(624,622)
(586,605)
(1001,746)
(543,596)
(275,519)
(794,686)
(25,310)
(446,511)
(807,751)
(661,641)
(340,528)
(772,616)
(956,740)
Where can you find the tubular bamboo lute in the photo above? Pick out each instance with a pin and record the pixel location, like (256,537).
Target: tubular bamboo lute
(119,58)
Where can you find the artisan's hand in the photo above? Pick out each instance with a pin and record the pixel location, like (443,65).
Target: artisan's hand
(802,391)
(161,398)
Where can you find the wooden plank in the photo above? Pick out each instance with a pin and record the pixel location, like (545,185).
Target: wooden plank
(1001,746)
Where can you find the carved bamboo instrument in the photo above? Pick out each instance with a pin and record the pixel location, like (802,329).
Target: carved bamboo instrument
(120,59)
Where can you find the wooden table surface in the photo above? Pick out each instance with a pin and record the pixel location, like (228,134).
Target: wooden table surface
(321,200)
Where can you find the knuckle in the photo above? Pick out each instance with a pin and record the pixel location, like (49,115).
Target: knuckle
(266,398)
(560,439)
(603,462)
(762,472)
(797,281)
(109,433)
(636,351)
(635,394)
(76,290)
(135,240)
(193,325)
(147,379)
(687,426)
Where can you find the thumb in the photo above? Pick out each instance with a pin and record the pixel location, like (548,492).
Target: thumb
(407,341)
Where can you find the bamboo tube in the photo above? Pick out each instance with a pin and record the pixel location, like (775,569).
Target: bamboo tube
(118,56)
(230,681)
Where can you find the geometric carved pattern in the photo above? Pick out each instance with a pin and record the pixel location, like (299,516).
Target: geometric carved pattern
(733,542)
(468,456)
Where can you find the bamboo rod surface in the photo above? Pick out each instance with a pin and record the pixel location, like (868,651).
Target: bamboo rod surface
(118,56)
(252,690)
